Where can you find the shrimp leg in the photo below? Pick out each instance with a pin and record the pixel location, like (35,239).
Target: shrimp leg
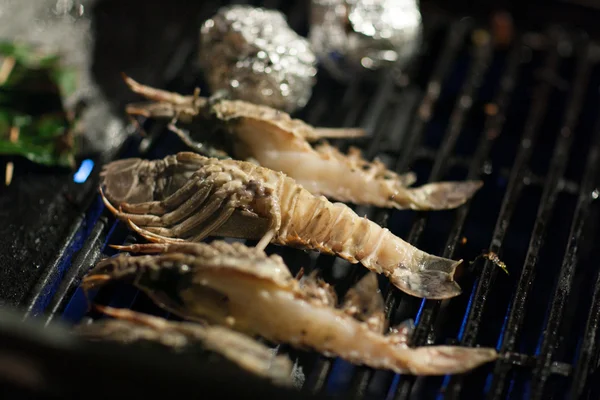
(192,221)
(156,94)
(316,134)
(154,248)
(160,207)
(198,147)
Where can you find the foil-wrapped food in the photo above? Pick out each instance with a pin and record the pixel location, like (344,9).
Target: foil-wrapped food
(253,55)
(352,37)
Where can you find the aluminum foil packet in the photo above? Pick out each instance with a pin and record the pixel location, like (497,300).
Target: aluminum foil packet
(353,37)
(252,54)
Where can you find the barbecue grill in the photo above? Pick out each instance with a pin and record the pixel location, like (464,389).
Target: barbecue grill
(521,117)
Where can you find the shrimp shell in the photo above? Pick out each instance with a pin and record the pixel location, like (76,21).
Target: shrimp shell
(243,295)
(241,199)
(130,326)
(185,108)
(276,141)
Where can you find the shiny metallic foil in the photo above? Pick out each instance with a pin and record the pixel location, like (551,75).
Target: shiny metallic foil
(353,37)
(254,55)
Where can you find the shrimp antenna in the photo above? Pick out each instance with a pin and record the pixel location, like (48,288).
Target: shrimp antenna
(89,283)
(493,257)
(86,293)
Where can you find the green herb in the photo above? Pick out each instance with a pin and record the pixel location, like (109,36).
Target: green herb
(44,139)
(33,121)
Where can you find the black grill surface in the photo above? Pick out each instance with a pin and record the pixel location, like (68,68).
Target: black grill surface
(523,119)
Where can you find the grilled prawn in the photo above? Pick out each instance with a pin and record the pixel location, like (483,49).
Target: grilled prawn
(281,143)
(188,197)
(130,326)
(245,289)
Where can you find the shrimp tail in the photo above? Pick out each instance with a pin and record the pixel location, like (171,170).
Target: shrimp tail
(388,188)
(434,279)
(313,222)
(443,360)
(442,195)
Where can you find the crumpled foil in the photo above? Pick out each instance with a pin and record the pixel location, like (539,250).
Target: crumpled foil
(63,26)
(253,55)
(353,37)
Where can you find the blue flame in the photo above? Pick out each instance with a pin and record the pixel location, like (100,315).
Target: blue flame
(84,171)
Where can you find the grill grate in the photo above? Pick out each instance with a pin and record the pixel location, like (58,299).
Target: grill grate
(523,119)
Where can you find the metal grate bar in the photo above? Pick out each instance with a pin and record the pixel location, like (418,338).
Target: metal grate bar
(451,47)
(515,185)
(546,207)
(541,371)
(589,344)
(80,265)
(38,291)
(482,53)
(373,116)
(482,57)
(492,128)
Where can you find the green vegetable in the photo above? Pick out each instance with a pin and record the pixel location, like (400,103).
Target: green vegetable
(33,86)
(44,139)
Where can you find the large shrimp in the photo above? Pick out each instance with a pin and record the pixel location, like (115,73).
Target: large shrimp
(189,197)
(276,141)
(130,327)
(257,295)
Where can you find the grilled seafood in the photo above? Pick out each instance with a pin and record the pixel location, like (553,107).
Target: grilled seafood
(281,143)
(186,109)
(189,197)
(251,292)
(130,326)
